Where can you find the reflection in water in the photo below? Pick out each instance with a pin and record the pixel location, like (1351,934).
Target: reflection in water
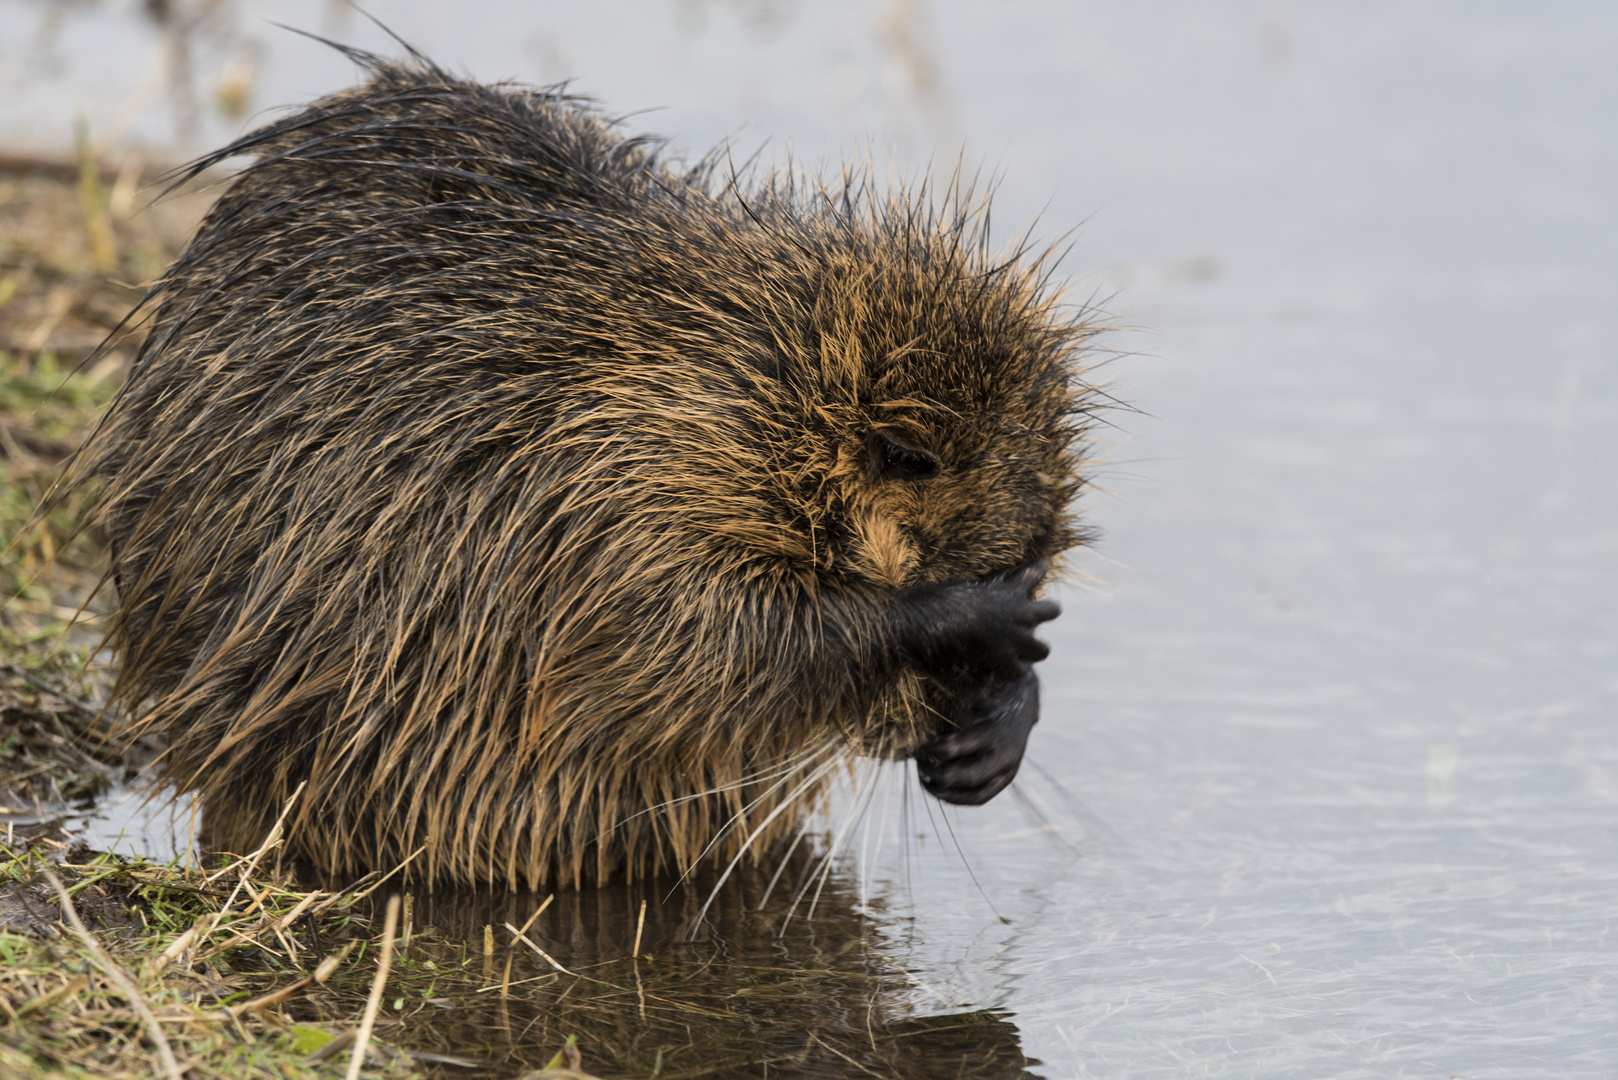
(756,989)
(793,967)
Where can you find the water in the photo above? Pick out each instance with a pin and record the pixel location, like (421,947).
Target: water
(1338,709)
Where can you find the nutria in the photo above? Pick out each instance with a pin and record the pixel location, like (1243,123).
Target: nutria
(567,513)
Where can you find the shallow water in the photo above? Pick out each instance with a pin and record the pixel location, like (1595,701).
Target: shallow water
(752,988)
(1338,713)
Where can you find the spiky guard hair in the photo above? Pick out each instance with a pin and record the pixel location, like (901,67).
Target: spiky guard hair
(514,488)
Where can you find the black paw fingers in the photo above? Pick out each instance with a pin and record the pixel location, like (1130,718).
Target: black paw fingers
(983,628)
(1009,616)
(979,754)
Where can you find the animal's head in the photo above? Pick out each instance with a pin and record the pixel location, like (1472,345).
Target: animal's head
(876,394)
(944,394)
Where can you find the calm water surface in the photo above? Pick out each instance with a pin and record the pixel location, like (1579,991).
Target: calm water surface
(1328,777)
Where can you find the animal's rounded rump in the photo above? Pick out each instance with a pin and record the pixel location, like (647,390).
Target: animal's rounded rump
(560,513)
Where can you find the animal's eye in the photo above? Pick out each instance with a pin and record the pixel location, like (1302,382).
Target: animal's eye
(891,458)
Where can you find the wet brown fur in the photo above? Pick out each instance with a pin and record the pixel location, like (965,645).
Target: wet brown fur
(511,486)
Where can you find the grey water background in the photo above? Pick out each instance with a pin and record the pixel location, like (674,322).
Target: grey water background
(1337,707)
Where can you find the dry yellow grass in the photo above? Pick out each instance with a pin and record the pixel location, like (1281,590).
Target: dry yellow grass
(126,968)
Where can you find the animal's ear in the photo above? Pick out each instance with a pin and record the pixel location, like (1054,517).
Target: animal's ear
(890,457)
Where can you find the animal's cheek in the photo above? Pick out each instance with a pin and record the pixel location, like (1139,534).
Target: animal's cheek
(884,552)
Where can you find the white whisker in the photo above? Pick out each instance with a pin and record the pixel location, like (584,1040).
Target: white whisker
(831,854)
(815,775)
(784,769)
(1084,817)
(803,831)
(867,858)
(905,828)
(1038,820)
(862,814)
(713,893)
(967,863)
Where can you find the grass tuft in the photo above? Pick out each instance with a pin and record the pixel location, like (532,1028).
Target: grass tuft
(122,967)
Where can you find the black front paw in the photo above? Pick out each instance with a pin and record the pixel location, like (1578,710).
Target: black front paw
(978,755)
(982,627)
